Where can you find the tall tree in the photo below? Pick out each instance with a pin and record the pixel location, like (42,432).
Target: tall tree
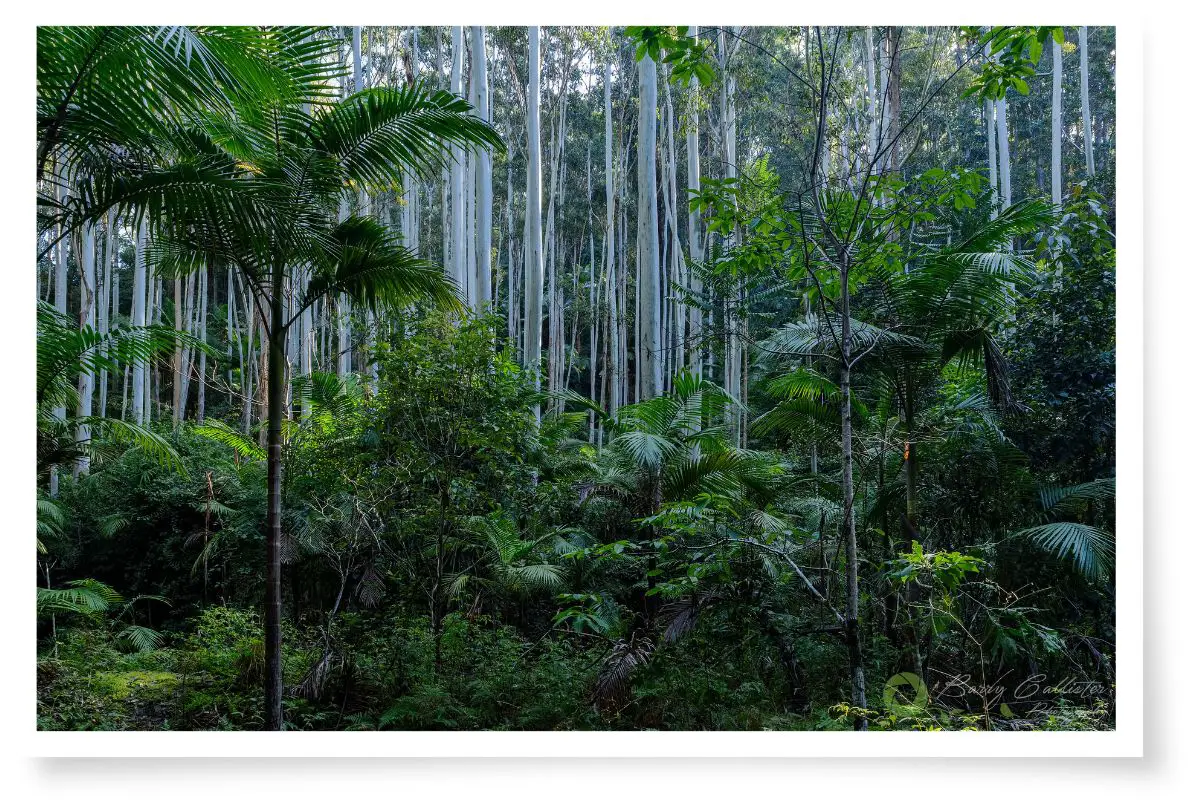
(617,367)
(254,212)
(1056,126)
(483,174)
(1003,153)
(695,243)
(139,319)
(87,319)
(534,265)
(458,179)
(650,349)
(1085,99)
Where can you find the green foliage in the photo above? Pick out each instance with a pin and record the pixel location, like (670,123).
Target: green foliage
(1015,52)
(1089,548)
(689,58)
(945,569)
(64,353)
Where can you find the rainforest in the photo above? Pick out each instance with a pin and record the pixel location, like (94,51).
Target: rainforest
(576,378)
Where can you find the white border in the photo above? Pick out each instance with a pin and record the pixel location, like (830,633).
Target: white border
(1125,741)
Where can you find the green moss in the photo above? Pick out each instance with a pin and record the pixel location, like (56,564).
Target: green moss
(145,684)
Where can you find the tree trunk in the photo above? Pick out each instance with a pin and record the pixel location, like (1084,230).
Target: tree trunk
(344,364)
(893,96)
(138,312)
(695,246)
(87,318)
(273,634)
(458,200)
(610,240)
(673,266)
(202,335)
(989,114)
(483,176)
(1085,98)
(103,292)
(534,265)
(733,357)
(1002,141)
(650,381)
(872,99)
(858,692)
(1056,128)
(593,299)
(513,314)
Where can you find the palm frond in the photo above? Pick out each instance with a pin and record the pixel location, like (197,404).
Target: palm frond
(81,596)
(1090,549)
(1075,498)
(378,134)
(139,638)
(368,262)
(243,445)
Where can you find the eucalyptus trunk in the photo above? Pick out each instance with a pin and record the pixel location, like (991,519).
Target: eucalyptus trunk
(1002,141)
(87,317)
(893,96)
(1056,127)
(695,244)
(534,265)
(138,320)
(1085,99)
(872,100)
(458,200)
(610,241)
(650,382)
(483,175)
(103,293)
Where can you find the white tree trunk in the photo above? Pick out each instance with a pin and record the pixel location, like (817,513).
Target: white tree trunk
(458,200)
(989,118)
(593,303)
(872,99)
(344,343)
(1085,98)
(674,265)
(483,175)
(513,313)
(87,317)
(534,266)
(202,335)
(138,320)
(60,300)
(695,243)
(1056,128)
(103,293)
(1002,141)
(885,117)
(615,366)
(650,381)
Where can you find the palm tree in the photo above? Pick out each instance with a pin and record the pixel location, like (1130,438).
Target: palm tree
(674,449)
(256,184)
(671,448)
(290,169)
(947,307)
